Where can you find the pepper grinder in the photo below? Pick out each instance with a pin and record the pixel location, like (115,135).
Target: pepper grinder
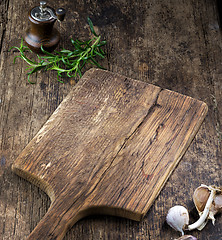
(41,31)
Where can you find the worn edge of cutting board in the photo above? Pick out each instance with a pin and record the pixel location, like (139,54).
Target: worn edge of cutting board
(103,209)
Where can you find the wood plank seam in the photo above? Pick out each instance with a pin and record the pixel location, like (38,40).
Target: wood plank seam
(4,22)
(150,110)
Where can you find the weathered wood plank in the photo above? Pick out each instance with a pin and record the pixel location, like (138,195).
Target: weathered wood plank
(173,44)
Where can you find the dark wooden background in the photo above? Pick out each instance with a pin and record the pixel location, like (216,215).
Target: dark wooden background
(174,44)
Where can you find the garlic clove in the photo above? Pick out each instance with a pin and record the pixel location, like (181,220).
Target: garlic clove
(186,237)
(200,198)
(216,207)
(178,217)
(217,204)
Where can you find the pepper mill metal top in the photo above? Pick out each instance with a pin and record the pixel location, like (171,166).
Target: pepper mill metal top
(46,13)
(41,31)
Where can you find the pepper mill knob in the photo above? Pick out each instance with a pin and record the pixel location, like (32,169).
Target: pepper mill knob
(41,31)
(60,13)
(43,4)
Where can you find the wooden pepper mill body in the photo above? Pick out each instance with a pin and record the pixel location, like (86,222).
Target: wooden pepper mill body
(42,32)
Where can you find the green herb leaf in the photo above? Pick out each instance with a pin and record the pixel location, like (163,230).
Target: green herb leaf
(65,62)
(91,27)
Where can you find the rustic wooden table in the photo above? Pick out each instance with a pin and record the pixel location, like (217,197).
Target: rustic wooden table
(172,44)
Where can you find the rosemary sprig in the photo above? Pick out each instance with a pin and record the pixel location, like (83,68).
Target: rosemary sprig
(66,62)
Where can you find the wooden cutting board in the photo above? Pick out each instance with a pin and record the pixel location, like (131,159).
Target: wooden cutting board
(108,149)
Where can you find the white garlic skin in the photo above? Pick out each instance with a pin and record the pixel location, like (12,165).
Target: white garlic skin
(217,207)
(178,217)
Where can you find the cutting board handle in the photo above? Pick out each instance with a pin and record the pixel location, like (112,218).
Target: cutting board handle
(56,222)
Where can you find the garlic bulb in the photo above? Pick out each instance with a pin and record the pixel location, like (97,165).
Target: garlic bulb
(208,201)
(178,218)
(201,196)
(186,237)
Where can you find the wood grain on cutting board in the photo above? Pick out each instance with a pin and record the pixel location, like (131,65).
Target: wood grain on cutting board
(108,149)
